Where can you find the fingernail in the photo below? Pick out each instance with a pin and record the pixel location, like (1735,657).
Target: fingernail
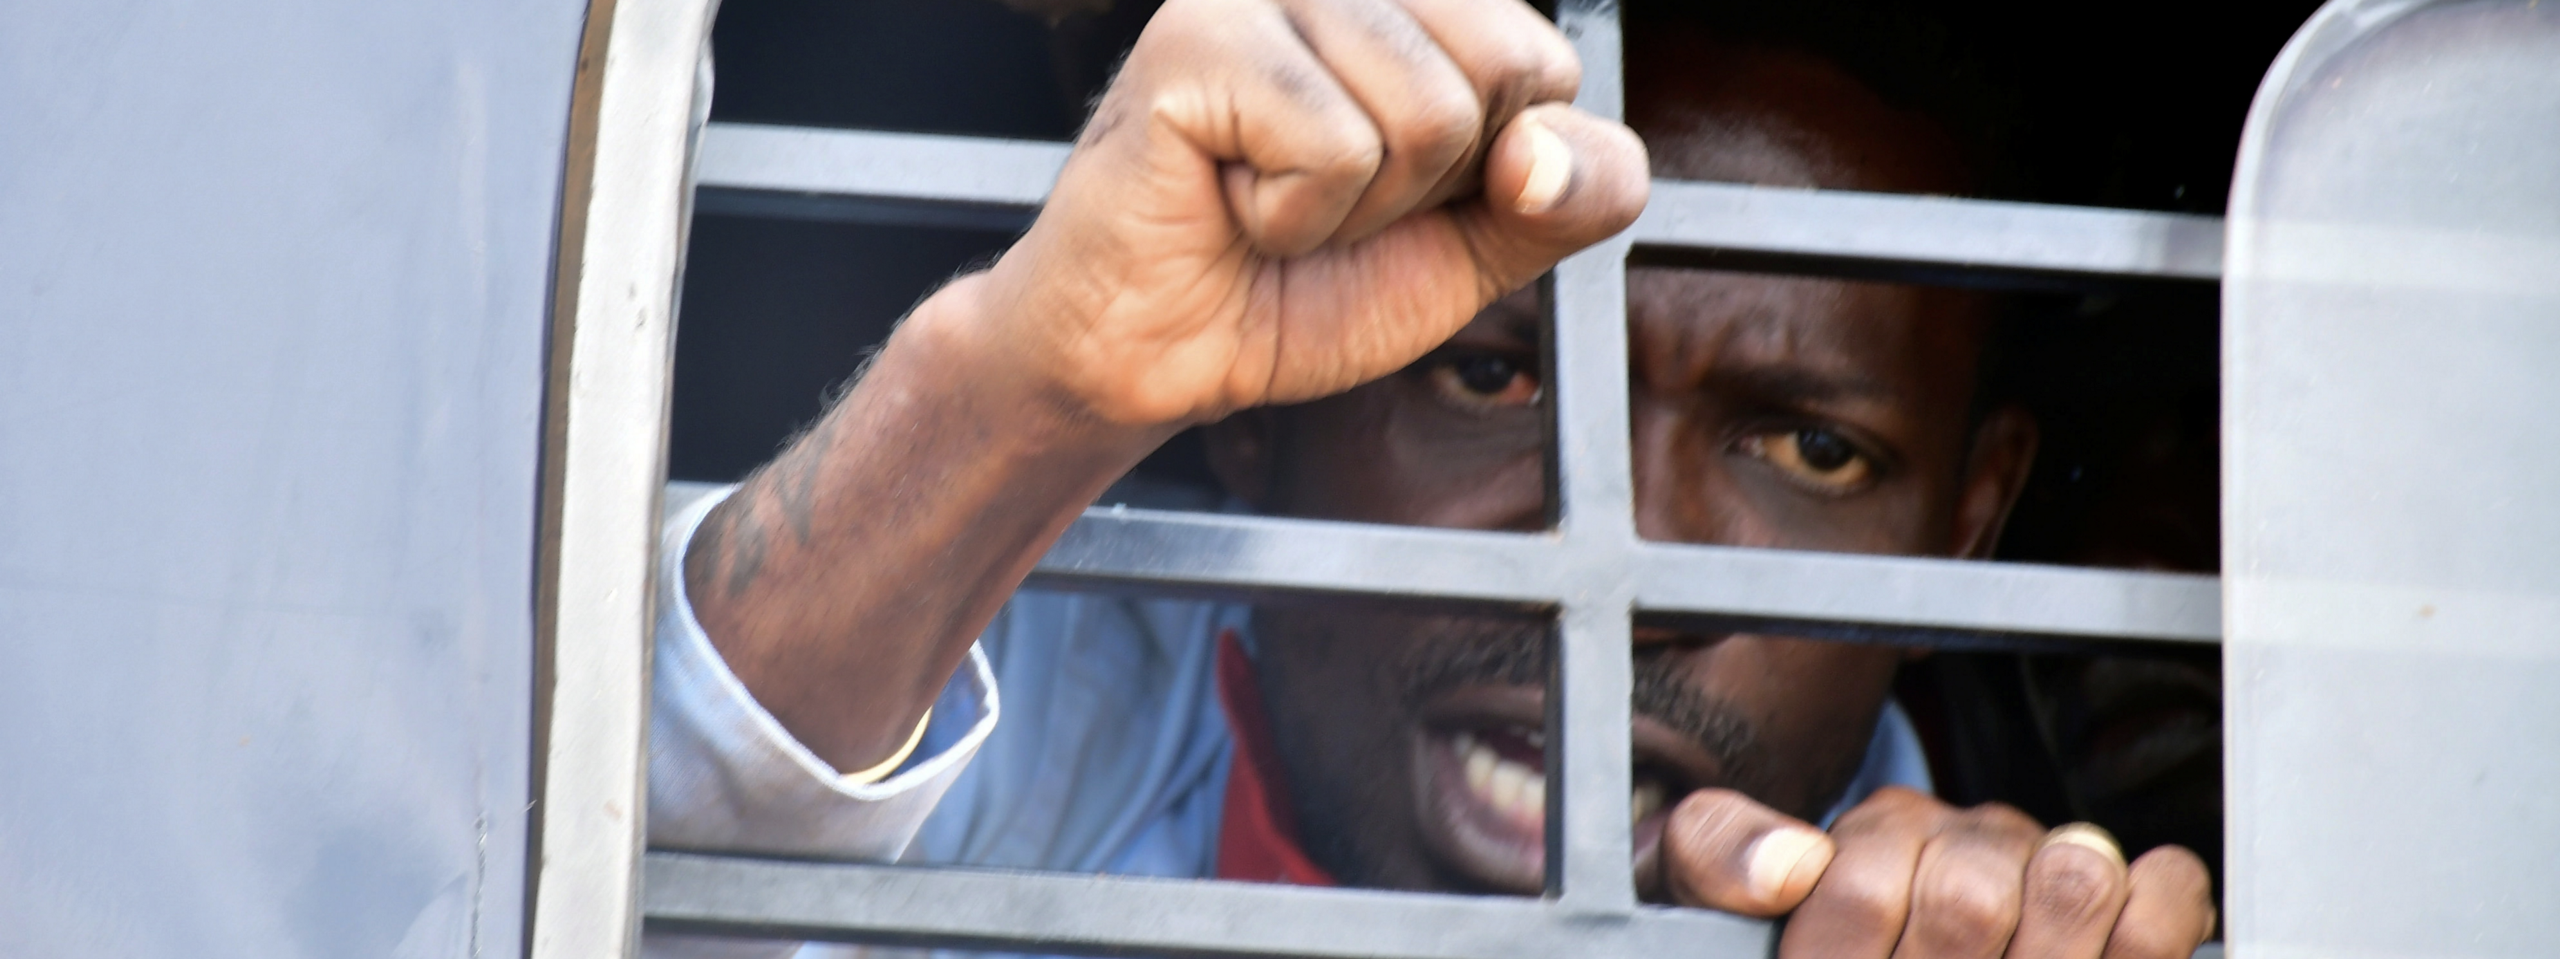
(1550,168)
(1775,857)
(2086,836)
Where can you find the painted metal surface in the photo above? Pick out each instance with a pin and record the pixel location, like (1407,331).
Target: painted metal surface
(614,365)
(915,179)
(1588,700)
(1592,573)
(2392,544)
(1945,233)
(1115,916)
(274,280)
(1898,598)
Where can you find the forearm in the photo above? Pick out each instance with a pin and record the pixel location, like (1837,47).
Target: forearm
(844,582)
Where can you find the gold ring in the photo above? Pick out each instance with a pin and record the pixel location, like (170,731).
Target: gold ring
(2086,836)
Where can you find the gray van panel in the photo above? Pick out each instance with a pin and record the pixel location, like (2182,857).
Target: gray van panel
(274,282)
(2391,533)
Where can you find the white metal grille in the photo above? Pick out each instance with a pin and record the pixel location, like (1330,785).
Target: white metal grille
(1592,571)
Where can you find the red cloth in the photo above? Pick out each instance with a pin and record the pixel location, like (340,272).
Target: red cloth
(1258,840)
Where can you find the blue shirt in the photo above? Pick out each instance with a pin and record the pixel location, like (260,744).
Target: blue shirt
(1114,757)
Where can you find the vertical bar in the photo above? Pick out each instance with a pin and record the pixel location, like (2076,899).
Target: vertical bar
(1588,834)
(611,405)
(1589,327)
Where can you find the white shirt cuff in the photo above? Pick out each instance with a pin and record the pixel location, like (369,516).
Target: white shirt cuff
(724,774)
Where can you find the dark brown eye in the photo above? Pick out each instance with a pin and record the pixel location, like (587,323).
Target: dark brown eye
(1484,381)
(1816,458)
(1824,450)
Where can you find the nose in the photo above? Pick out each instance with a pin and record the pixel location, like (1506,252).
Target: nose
(1684,489)
(1653,449)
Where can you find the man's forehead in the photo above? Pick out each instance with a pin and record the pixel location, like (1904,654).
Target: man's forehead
(1687,325)
(1710,110)
(1783,334)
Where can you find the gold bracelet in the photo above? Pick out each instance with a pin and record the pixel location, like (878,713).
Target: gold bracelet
(895,760)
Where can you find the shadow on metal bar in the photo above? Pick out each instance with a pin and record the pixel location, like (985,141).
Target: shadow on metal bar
(882,211)
(1921,239)
(1048,913)
(987,183)
(1831,595)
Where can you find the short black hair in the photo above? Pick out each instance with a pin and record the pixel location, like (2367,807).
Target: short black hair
(1912,60)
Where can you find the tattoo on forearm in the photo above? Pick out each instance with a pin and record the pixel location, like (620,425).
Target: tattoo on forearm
(728,549)
(796,473)
(734,540)
(795,478)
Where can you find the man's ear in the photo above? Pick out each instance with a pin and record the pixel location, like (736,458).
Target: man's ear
(1239,449)
(2004,450)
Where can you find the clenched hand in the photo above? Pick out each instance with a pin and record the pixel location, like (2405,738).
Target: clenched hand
(1907,876)
(1282,199)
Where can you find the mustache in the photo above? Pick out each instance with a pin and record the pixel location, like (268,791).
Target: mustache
(1456,653)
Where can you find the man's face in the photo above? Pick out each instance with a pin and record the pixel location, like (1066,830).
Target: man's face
(1766,411)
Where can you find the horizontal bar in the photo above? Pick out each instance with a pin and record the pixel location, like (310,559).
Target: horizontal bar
(1051,913)
(1254,557)
(931,168)
(873,176)
(1114,916)
(1923,231)
(1897,598)
(877,211)
(1927,601)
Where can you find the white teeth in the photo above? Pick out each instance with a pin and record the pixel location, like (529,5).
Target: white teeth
(1480,763)
(1644,801)
(1513,789)
(1519,790)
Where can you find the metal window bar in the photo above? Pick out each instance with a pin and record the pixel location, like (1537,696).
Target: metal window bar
(1591,571)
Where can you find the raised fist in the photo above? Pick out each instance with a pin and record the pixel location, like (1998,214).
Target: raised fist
(1281,199)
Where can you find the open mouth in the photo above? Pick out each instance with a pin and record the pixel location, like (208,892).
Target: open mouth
(1481,785)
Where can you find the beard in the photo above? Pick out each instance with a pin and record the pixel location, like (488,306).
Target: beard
(1348,783)
(1463,652)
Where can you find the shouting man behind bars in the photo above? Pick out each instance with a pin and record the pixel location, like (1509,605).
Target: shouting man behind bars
(1306,223)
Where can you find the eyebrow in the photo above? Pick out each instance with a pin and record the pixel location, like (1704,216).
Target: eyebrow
(1796,385)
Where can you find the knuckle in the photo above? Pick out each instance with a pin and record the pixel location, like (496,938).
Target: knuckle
(1351,154)
(1442,126)
(2074,888)
(1559,71)
(2180,889)
(2173,866)
(1904,795)
(1518,60)
(1892,809)
(1705,800)
(1972,916)
(1864,901)
(1704,818)
(2146,941)
(1542,65)
(1527,70)
(2002,817)
(1902,799)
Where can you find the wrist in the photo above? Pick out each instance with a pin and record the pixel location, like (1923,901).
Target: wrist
(959,336)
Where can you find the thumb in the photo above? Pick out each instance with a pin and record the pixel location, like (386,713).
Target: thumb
(1723,851)
(1556,180)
